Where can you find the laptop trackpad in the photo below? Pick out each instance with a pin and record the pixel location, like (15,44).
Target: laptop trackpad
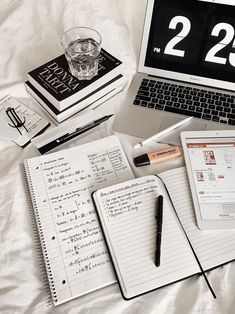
(173,137)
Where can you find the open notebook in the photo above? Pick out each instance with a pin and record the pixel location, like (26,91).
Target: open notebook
(60,184)
(127,215)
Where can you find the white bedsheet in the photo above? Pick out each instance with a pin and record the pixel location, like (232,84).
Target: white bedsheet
(30,32)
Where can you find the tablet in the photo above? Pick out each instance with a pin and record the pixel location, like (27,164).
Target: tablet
(210,162)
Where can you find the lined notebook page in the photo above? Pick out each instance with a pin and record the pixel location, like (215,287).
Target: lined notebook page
(61,185)
(212,247)
(127,213)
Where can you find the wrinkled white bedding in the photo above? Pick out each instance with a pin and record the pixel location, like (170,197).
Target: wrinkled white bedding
(30,32)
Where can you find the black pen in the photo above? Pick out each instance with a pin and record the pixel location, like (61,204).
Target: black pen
(68,136)
(159,219)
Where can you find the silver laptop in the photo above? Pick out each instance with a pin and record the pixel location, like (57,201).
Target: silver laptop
(186,68)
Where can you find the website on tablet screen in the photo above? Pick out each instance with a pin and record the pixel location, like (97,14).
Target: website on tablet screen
(213,167)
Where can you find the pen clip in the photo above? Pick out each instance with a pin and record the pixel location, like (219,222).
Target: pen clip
(58,140)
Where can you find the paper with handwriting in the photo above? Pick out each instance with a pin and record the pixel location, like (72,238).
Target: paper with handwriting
(128,215)
(61,185)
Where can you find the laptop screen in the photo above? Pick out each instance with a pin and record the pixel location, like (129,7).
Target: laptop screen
(192,37)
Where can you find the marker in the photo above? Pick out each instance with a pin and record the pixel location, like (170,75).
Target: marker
(164,132)
(158,156)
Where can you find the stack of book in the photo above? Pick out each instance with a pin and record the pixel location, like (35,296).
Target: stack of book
(62,95)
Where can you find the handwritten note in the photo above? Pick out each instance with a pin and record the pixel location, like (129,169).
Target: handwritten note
(61,186)
(127,212)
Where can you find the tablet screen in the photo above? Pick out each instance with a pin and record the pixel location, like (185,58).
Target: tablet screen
(212,162)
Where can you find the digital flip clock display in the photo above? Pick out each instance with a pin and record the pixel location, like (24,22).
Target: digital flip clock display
(195,35)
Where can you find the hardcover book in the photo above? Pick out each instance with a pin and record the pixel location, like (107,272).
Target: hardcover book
(92,100)
(54,80)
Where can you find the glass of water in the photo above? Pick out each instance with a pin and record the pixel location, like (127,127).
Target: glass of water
(82,47)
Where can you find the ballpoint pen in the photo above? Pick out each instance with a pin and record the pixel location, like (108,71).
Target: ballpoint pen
(159,219)
(163,132)
(66,137)
(69,136)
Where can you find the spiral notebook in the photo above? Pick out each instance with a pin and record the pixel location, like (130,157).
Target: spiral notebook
(61,184)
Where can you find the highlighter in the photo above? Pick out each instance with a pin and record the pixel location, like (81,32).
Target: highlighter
(158,156)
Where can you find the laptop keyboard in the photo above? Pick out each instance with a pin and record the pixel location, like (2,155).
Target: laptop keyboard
(196,102)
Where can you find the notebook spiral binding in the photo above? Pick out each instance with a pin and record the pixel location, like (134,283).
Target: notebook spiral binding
(40,244)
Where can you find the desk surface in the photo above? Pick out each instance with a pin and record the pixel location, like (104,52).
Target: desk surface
(30,35)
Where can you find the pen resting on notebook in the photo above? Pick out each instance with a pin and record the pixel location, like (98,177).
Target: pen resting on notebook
(159,218)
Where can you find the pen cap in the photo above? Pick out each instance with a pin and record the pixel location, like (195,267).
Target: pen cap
(142,160)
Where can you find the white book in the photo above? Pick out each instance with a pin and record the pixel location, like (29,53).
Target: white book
(91,101)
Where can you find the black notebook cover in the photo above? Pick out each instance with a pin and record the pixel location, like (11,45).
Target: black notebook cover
(55,77)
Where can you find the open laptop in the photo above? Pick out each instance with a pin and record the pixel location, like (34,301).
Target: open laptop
(186,68)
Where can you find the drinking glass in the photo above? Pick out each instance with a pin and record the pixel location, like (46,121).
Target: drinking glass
(82,47)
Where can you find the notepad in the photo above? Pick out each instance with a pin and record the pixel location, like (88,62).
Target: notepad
(21,134)
(61,184)
(127,216)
